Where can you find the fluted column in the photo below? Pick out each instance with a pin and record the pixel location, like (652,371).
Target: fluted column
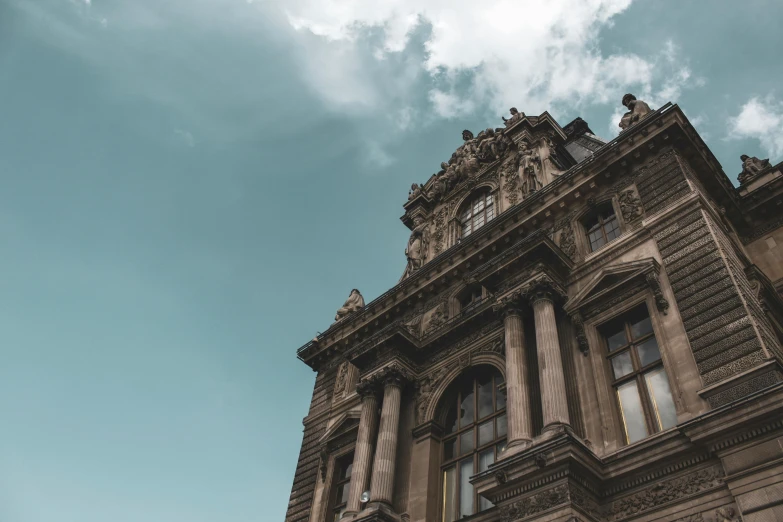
(550,363)
(520,426)
(382,484)
(365,441)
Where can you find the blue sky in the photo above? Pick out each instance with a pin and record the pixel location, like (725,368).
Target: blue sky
(190,188)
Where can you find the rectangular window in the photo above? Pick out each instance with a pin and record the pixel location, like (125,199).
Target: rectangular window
(341,485)
(641,386)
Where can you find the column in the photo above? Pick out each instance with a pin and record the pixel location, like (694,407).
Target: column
(550,364)
(382,484)
(365,440)
(520,426)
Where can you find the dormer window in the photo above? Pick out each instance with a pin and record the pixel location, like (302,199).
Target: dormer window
(477,212)
(470,297)
(601,226)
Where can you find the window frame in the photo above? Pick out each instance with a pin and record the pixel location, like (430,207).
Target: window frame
(333,506)
(498,443)
(487,195)
(587,219)
(653,422)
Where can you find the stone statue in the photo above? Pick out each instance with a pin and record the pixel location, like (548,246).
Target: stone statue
(468,155)
(547,157)
(515,117)
(354,303)
(637,110)
(488,147)
(751,166)
(416,250)
(529,169)
(414,192)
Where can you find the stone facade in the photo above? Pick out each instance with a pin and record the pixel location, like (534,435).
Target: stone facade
(525,289)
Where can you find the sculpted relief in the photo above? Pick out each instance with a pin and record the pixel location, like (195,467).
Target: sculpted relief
(751,166)
(354,303)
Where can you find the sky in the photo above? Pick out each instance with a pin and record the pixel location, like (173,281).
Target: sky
(189,189)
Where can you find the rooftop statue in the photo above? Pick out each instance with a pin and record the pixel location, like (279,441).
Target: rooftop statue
(637,109)
(354,303)
(515,117)
(751,166)
(414,191)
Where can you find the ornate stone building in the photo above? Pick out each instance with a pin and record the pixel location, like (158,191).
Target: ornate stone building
(585,331)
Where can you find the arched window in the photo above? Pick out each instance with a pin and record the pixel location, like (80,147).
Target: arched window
(477,212)
(601,226)
(474,411)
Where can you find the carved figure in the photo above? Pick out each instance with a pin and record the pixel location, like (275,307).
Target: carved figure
(414,192)
(515,117)
(354,303)
(548,157)
(751,166)
(724,515)
(637,109)
(488,147)
(529,169)
(417,247)
(467,155)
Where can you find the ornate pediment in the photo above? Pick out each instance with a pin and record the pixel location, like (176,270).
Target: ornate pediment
(345,425)
(612,280)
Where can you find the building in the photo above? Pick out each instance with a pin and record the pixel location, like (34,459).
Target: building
(585,331)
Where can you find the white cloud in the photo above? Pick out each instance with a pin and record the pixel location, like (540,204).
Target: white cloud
(534,55)
(186,136)
(761,119)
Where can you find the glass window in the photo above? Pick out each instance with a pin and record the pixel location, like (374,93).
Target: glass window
(475,441)
(341,485)
(602,227)
(478,211)
(642,387)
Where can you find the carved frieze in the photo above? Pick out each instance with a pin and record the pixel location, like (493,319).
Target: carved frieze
(341,381)
(533,504)
(630,205)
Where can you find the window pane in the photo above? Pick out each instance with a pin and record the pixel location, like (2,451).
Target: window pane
(622,365)
(485,459)
(633,415)
(449,494)
(451,419)
(648,351)
(466,442)
(448,449)
(501,448)
(467,406)
(612,228)
(346,471)
(489,199)
(615,337)
(661,395)
(640,322)
(465,228)
(485,396)
(342,493)
(500,397)
(478,206)
(465,488)
(478,221)
(501,423)
(486,433)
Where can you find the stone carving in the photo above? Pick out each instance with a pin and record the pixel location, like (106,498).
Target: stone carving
(511,186)
(440,231)
(630,205)
(581,337)
(341,382)
(655,285)
(752,166)
(515,117)
(425,387)
(725,514)
(501,477)
(543,287)
(529,169)
(414,192)
(547,154)
(540,460)
(568,241)
(416,251)
(324,456)
(534,504)
(637,109)
(354,303)
(437,319)
(667,491)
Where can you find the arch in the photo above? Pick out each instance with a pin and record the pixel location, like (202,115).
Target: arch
(482,185)
(481,359)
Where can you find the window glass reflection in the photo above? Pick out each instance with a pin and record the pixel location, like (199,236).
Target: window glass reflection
(631,406)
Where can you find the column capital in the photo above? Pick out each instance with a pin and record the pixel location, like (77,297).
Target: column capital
(393,374)
(367,388)
(544,288)
(509,305)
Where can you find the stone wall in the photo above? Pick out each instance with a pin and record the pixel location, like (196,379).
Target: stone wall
(307,467)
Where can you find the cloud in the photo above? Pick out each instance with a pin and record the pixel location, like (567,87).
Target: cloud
(476,56)
(761,119)
(186,136)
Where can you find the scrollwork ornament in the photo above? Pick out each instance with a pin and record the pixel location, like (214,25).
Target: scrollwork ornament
(508,305)
(543,288)
(630,205)
(655,285)
(581,337)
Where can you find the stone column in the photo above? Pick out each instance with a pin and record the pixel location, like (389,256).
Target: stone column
(554,403)
(520,426)
(365,440)
(382,484)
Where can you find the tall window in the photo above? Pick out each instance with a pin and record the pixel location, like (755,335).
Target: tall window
(340,486)
(477,212)
(640,381)
(475,435)
(602,227)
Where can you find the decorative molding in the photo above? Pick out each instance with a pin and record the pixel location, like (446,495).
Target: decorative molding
(533,504)
(655,285)
(630,205)
(579,330)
